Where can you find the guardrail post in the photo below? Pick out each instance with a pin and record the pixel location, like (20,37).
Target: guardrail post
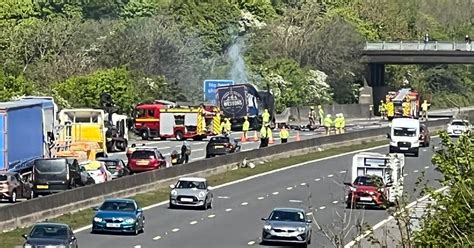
(454,45)
(366,45)
(436,46)
(418,47)
(401,45)
(383,45)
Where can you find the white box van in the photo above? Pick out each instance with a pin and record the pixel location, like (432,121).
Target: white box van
(404,136)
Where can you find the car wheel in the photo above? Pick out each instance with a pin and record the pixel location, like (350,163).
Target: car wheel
(13,197)
(145,135)
(171,206)
(208,156)
(179,135)
(309,238)
(210,204)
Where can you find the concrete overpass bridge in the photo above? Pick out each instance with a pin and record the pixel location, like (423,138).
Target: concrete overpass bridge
(377,54)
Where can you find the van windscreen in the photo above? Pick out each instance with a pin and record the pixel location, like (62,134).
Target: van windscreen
(401,131)
(50,166)
(3,177)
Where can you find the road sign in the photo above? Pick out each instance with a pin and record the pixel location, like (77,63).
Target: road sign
(210,88)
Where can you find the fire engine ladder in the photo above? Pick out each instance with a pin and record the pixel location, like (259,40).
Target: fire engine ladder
(401,95)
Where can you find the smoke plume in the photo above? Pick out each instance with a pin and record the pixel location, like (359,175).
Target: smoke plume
(235,55)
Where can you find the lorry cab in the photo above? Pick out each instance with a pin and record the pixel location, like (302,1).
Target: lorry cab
(54,175)
(116,132)
(404,136)
(376,178)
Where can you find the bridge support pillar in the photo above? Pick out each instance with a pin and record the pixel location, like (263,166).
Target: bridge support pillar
(375,78)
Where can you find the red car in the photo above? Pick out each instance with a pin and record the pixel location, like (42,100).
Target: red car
(368,191)
(146,159)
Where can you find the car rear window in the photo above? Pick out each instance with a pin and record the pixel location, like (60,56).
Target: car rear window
(459,123)
(219,139)
(50,166)
(3,177)
(143,154)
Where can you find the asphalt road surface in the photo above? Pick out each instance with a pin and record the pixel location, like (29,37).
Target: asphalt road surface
(235,219)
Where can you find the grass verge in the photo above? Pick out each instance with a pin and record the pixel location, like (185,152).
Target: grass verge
(82,218)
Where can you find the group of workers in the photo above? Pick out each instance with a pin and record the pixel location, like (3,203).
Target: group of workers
(387,109)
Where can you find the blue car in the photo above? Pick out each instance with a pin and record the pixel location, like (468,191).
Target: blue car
(120,216)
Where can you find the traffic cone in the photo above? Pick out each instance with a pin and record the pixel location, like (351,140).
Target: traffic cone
(255,137)
(271,140)
(298,136)
(243,138)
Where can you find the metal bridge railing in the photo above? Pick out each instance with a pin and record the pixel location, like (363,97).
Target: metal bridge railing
(418,46)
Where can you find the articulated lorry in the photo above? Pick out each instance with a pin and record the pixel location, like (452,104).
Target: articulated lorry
(240,100)
(26,131)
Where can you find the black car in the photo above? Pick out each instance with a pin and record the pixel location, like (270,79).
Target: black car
(115,166)
(54,175)
(50,234)
(221,145)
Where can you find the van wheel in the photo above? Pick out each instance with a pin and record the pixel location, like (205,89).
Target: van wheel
(179,135)
(13,197)
(145,135)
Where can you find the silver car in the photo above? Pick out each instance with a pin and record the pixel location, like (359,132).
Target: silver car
(287,225)
(191,192)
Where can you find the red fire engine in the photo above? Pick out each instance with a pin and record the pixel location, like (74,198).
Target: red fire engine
(165,121)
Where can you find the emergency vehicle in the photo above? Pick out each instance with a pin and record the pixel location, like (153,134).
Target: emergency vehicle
(164,121)
(398,98)
(369,167)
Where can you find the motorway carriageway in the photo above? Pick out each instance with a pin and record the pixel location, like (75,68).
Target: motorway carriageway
(235,219)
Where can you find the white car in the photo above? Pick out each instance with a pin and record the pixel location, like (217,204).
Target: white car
(97,170)
(458,127)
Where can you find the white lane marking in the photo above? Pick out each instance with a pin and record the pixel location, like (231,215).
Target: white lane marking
(257,176)
(137,246)
(427,167)
(302,184)
(405,175)
(335,202)
(211,216)
(415,171)
(330,175)
(228,210)
(383,222)
(289,188)
(199,143)
(244,203)
(223,197)
(175,230)
(342,172)
(296,201)
(251,243)
(157,238)
(261,198)
(322,207)
(275,193)
(193,222)
(317,179)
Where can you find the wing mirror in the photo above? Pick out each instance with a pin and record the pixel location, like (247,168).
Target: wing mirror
(309,221)
(388,136)
(140,210)
(172,186)
(25,236)
(73,238)
(347,184)
(264,219)
(95,208)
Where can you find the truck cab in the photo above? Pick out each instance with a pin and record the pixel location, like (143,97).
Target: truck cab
(377,179)
(404,136)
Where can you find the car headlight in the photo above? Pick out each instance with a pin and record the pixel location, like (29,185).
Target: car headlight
(27,246)
(130,221)
(97,219)
(201,194)
(174,192)
(267,227)
(301,229)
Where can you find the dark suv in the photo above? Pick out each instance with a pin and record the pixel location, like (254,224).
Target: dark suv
(55,175)
(221,145)
(12,186)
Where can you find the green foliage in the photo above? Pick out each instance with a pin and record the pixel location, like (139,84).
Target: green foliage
(85,91)
(449,221)
(12,86)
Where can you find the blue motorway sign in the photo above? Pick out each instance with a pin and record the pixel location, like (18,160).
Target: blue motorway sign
(210,88)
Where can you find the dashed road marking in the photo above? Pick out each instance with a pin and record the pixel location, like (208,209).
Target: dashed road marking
(211,216)
(427,167)
(193,222)
(322,207)
(296,201)
(335,202)
(251,243)
(223,197)
(137,246)
(330,175)
(157,238)
(175,230)
(317,179)
(228,210)
(261,198)
(302,184)
(275,193)
(342,172)
(244,203)
(289,188)
(415,171)
(405,175)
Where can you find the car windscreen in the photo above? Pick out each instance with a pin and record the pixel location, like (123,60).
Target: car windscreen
(190,185)
(402,131)
(50,166)
(111,163)
(459,123)
(143,154)
(287,216)
(369,181)
(117,206)
(3,177)
(219,140)
(49,232)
